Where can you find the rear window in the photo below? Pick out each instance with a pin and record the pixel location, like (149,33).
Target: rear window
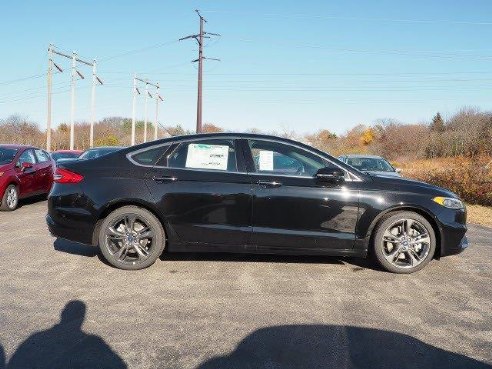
(150,156)
(211,154)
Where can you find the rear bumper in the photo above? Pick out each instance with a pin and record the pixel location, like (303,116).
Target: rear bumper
(68,231)
(69,216)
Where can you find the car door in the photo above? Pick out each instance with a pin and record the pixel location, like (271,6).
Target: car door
(44,171)
(203,190)
(292,209)
(27,176)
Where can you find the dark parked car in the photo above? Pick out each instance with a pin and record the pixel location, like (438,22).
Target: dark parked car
(372,164)
(65,154)
(231,192)
(24,171)
(91,154)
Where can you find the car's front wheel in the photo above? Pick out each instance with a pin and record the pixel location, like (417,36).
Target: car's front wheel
(10,198)
(131,238)
(404,242)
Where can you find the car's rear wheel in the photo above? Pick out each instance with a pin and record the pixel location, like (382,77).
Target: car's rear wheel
(404,242)
(131,238)
(10,198)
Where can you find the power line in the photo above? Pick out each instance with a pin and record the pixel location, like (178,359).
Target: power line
(136,51)
(398,52)
(22,79)
(345,18)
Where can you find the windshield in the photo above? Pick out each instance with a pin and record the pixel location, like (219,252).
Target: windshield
(7,155)
(370,164)
(95,153)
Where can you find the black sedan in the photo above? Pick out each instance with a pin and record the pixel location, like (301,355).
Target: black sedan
(249,193)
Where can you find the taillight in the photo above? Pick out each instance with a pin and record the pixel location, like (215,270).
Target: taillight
(66,176)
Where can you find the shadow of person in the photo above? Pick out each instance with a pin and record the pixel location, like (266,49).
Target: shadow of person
(330,346)
(65,345)
(2,357)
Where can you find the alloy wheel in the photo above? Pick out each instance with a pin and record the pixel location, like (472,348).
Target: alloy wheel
(12,198)
(129,239)
(406,243)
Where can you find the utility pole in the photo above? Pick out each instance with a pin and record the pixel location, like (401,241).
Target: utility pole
(136,92)
(72,109)
(95,81)
(157,98)
(50,86)
(74,74)
(200,78)
(199,39)
(146,118)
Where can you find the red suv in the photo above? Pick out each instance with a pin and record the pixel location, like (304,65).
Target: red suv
(24,171)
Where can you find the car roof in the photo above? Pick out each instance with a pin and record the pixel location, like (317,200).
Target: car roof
(107,147)
(76,151)
(361,156)
(237,135)
(15,146)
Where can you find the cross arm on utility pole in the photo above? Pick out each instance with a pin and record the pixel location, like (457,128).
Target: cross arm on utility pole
(188,37)
(70,57)
(146,82)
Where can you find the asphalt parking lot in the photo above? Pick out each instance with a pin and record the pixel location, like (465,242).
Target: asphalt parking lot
(60,306)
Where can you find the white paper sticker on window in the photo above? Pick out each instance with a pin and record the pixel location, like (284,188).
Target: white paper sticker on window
(266,160)
(201,156)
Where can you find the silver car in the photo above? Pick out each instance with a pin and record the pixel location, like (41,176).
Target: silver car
(372,164)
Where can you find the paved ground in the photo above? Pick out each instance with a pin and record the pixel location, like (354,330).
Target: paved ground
(216,311)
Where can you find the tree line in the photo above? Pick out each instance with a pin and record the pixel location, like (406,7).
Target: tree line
(466,133)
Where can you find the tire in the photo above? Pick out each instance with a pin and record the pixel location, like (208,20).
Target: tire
(404,242)
(10,198)
(131,238)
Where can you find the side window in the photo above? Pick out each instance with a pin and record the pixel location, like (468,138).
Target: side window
(41,156)
(278,158)
(205,154)
(27,157)
(150,156)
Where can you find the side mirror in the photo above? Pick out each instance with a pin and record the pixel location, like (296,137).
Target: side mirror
(330,174)
(26,165)
(398,170)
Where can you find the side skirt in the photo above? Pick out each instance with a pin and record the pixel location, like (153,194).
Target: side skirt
(252,249)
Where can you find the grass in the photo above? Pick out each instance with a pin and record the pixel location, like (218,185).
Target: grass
(478,214)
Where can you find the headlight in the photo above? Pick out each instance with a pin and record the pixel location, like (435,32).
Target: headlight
(449,202)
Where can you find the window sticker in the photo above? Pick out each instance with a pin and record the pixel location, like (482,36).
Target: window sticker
(266,160)
(202,156)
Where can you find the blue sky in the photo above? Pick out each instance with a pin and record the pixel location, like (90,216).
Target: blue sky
(285,65)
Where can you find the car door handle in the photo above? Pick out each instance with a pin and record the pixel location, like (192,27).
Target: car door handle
(164,179)
(269,183)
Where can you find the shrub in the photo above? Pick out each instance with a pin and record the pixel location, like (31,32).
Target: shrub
(471,179)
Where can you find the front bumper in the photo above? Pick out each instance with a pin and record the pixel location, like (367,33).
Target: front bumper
(452,224)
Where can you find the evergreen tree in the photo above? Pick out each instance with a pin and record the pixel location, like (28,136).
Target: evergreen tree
(437,124)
